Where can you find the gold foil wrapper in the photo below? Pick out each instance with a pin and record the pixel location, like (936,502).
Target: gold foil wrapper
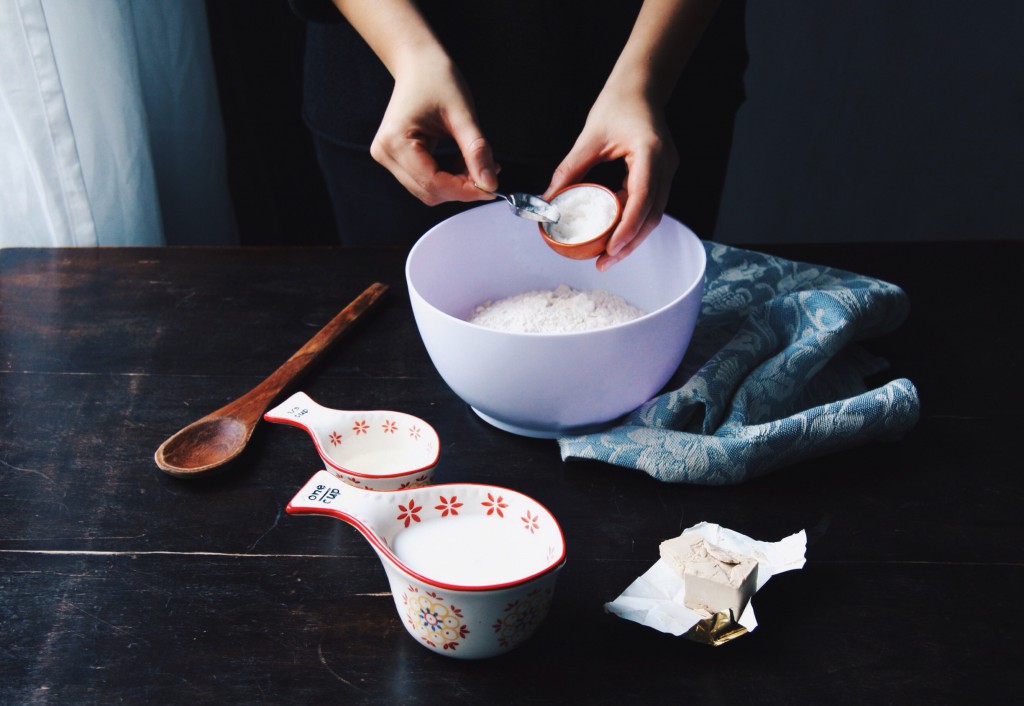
(716,630)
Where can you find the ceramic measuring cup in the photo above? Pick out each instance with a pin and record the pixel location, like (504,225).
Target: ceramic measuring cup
(472,567)
(374,450)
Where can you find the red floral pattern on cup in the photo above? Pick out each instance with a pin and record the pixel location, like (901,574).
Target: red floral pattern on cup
(448,506)
(494,505)
(410,513)
(531,521)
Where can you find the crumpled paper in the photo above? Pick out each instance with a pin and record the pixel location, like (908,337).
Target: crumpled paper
(773,375)
(655,599)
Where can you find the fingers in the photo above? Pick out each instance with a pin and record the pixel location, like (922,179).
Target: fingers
(415,168)
(581,158)
(650,160)
(645,196)
(411,164)
(476,151)
(606,260)
(424,110)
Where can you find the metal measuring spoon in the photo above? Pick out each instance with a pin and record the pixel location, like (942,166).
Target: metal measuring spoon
(529,206)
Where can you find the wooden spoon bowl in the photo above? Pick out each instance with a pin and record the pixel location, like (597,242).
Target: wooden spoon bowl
(203,445)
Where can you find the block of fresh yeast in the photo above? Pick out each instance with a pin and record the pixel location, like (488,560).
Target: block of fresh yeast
(714,580)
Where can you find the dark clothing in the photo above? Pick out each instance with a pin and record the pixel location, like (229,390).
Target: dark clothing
(532,86)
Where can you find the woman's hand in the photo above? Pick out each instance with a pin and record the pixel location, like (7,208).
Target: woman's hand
(430,102)
(627,120)
(625,127)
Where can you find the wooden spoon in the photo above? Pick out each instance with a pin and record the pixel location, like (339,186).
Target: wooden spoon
(207,444)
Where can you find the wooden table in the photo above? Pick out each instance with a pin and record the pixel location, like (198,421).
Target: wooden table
(120,584)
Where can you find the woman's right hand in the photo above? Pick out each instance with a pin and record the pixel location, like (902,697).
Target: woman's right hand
(430,102)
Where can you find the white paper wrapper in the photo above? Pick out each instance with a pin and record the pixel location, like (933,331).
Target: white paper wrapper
(655,599)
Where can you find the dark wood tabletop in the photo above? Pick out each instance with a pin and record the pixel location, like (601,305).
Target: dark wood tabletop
(120,584)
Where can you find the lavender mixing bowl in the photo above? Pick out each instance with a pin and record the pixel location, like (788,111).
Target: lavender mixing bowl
(548,384)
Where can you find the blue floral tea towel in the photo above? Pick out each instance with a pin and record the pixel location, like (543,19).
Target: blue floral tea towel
(773,376)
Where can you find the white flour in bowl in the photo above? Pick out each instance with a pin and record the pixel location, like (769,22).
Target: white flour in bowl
(561,310)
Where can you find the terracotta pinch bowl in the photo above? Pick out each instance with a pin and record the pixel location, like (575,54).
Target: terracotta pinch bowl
(591,239)
(372,449)
(472,567)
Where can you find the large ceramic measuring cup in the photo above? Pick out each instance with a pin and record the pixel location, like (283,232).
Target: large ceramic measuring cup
(375,450)
(472,567)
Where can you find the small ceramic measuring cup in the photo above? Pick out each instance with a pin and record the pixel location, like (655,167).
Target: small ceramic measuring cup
(374,450)
(589,214)
(472,567)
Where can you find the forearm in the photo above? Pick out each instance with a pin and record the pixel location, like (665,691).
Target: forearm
(663,37)
(395,31)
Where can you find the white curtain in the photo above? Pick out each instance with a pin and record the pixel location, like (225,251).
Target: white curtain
(110,127)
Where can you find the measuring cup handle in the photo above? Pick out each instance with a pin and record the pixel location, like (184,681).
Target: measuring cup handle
(326,494)
(298,410)
(323,494)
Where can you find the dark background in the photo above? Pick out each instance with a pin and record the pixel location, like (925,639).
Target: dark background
(867,120)
(875,120)
(278,193)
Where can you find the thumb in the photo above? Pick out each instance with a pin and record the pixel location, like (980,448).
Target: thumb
(572,169)
(476,152)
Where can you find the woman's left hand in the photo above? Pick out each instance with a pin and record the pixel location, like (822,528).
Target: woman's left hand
(630,128)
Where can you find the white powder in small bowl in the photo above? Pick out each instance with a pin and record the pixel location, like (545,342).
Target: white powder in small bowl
(585,213)
(561,310)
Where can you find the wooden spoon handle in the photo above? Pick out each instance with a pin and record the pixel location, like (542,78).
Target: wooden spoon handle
(254,403)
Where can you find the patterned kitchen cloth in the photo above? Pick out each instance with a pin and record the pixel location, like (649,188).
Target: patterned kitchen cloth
(772,376)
